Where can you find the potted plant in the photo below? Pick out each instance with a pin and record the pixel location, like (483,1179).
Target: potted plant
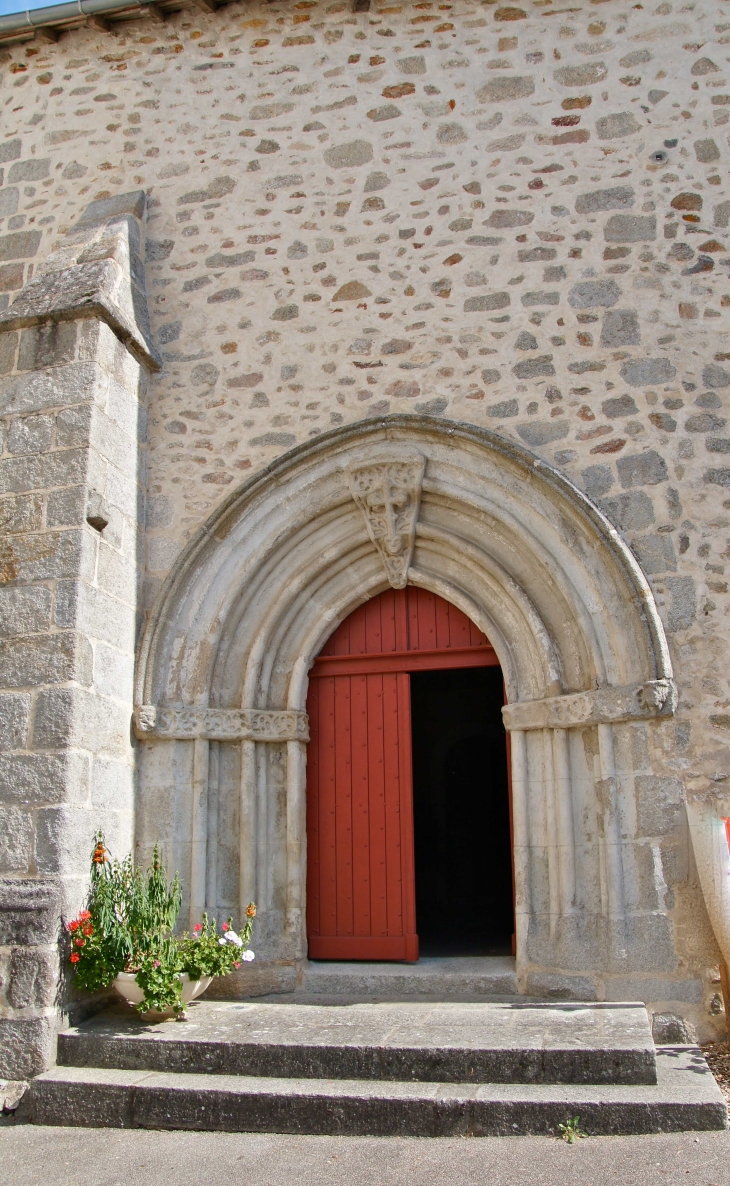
(125,938)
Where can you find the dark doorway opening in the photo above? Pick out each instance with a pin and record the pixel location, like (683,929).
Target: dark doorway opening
(463,847)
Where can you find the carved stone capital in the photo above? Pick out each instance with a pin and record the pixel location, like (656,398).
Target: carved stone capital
(387,488)
(220,724)
(603,706)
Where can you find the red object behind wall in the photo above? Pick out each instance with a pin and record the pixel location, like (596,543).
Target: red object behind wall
(360,866)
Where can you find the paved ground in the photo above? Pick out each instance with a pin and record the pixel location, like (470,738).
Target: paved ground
(34,1156)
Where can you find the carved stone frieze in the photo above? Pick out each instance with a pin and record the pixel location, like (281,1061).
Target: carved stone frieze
(656,698)
(387,488)
(220,724)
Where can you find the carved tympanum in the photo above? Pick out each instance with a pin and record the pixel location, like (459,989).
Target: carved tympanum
(387,489)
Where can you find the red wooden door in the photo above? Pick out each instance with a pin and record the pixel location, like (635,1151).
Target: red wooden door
(360,867)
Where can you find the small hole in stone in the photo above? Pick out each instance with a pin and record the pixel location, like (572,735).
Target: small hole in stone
(361,6)
(98,522)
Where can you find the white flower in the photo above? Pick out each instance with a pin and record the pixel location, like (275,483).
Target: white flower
(248,956)
(221,942)
(232,937)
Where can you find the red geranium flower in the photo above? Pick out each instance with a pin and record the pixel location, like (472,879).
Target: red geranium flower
(225,927)
(75,957)
(198,926)
(79,941)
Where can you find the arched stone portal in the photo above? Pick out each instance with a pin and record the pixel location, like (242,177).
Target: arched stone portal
(222,682)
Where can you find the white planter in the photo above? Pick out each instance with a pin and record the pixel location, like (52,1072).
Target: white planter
(127,987)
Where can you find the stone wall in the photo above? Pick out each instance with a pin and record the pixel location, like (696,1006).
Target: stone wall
(535,257)
(72,501)
(510,216)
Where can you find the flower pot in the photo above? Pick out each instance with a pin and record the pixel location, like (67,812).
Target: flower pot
(127,987)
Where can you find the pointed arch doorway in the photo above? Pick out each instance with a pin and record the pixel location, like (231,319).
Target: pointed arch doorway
(408,812)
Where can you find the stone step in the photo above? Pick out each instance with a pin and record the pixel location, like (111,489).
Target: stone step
(465,978)
(684,1097)
(511,1042)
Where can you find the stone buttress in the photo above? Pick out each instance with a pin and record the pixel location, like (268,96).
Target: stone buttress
(75,354)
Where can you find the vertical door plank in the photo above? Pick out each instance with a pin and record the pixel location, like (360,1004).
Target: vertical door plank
(327,800)
(358,633)
(459,628)
(393,740)
(411,597)
(389,629)
(400,618)
(373,626)
(427,638)
(443,624)
(476,638)
(360,807)
(343,804)
(408,855)
(376,803)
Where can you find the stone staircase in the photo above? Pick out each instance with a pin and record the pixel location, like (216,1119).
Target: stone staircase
(321,1064)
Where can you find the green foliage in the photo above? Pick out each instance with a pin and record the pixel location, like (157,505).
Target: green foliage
(158,978)
(208,953)
(571,1130)
(128,925)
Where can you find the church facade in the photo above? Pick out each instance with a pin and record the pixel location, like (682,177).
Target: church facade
(408,321)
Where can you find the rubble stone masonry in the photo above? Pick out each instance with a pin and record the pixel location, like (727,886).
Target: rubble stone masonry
(511,215)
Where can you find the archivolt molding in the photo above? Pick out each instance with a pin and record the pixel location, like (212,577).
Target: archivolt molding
(531,560)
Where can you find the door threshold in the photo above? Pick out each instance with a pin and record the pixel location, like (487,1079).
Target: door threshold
(466,978)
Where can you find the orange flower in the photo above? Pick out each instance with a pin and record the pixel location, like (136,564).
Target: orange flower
(99,855)
(251,910)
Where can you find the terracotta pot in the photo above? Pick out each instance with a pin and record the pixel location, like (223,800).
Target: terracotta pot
(127,987)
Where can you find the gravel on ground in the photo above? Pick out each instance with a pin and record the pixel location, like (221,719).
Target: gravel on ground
(717,1055)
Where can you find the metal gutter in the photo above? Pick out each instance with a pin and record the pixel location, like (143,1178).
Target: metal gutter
(34,17)
(56,16)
